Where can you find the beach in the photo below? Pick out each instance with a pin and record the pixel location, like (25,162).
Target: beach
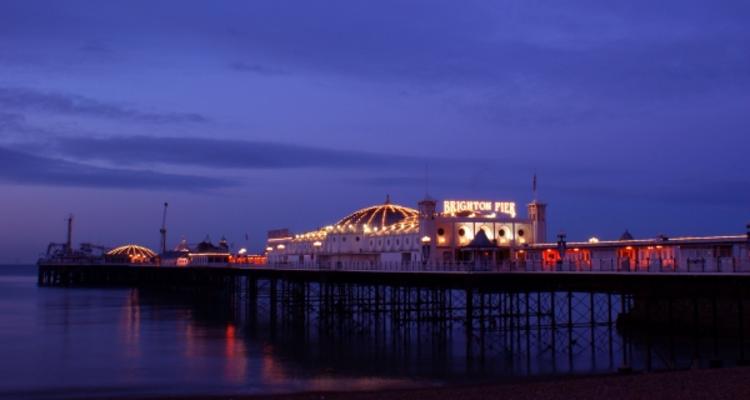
(729,383)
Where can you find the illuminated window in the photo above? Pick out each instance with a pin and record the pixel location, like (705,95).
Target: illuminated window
(441,231)
(501,232)
(521,232)
(461,232)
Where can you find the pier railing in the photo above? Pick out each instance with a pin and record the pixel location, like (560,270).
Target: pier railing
(722,265)
(726,265)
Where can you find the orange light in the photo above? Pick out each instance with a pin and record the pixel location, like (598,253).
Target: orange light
(629,248)
(576,249)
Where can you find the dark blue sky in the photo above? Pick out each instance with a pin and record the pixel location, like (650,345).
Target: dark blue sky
(248,116)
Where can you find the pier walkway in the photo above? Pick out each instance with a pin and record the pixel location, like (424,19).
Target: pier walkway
(610,277)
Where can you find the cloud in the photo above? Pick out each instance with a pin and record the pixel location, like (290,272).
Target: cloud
(95,48)
(588,45)
(11,121)
(391,181)
(718,192)
(259,69)
(221,153)
(371,168)
(22,168)
(24,99)
(14,126)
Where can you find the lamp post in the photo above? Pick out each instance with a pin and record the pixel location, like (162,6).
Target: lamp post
(426,241)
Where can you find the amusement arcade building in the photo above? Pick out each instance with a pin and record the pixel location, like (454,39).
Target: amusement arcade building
(388,233)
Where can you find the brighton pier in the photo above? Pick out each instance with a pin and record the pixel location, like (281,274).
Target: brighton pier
(475,265)
(467,236)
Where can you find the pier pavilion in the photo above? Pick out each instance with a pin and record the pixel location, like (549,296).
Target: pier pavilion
(396,234)
(490,235)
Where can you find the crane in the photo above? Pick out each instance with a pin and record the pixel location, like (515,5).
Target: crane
(163,229)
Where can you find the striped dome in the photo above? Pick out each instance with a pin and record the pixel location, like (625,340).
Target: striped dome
(380,215)
(132,251)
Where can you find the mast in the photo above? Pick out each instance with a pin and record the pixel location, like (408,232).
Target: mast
(163,230)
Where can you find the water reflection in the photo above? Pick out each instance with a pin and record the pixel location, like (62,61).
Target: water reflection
(291,336)
(130,325)
(452,335)
(235,369)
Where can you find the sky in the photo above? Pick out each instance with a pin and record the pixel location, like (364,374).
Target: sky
(250,116)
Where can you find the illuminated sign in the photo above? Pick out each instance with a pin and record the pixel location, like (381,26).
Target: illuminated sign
(482,207)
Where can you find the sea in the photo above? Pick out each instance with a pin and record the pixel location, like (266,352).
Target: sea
(62,343)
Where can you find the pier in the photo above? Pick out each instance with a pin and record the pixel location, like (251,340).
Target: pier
(571,311)
(409,290)
(510,277)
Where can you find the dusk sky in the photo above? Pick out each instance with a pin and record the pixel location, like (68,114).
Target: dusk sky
(251,115)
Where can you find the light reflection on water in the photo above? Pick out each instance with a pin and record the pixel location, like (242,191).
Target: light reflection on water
(73,343)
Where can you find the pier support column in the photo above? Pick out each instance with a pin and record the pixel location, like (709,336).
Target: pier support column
(741,331)
(715,360)
(469,322)
(252,301)
(625,367)
(273,300)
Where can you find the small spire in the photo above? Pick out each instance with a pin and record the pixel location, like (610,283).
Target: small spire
(387,199)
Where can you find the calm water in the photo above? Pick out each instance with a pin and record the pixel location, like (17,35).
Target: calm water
(70,343)
(74,343)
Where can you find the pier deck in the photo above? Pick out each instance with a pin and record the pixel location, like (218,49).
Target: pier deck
(515,280)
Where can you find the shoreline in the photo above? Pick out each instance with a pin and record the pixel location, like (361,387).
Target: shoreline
(720,383)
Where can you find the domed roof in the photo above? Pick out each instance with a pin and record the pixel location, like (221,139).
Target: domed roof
(380,215)
(132,250)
